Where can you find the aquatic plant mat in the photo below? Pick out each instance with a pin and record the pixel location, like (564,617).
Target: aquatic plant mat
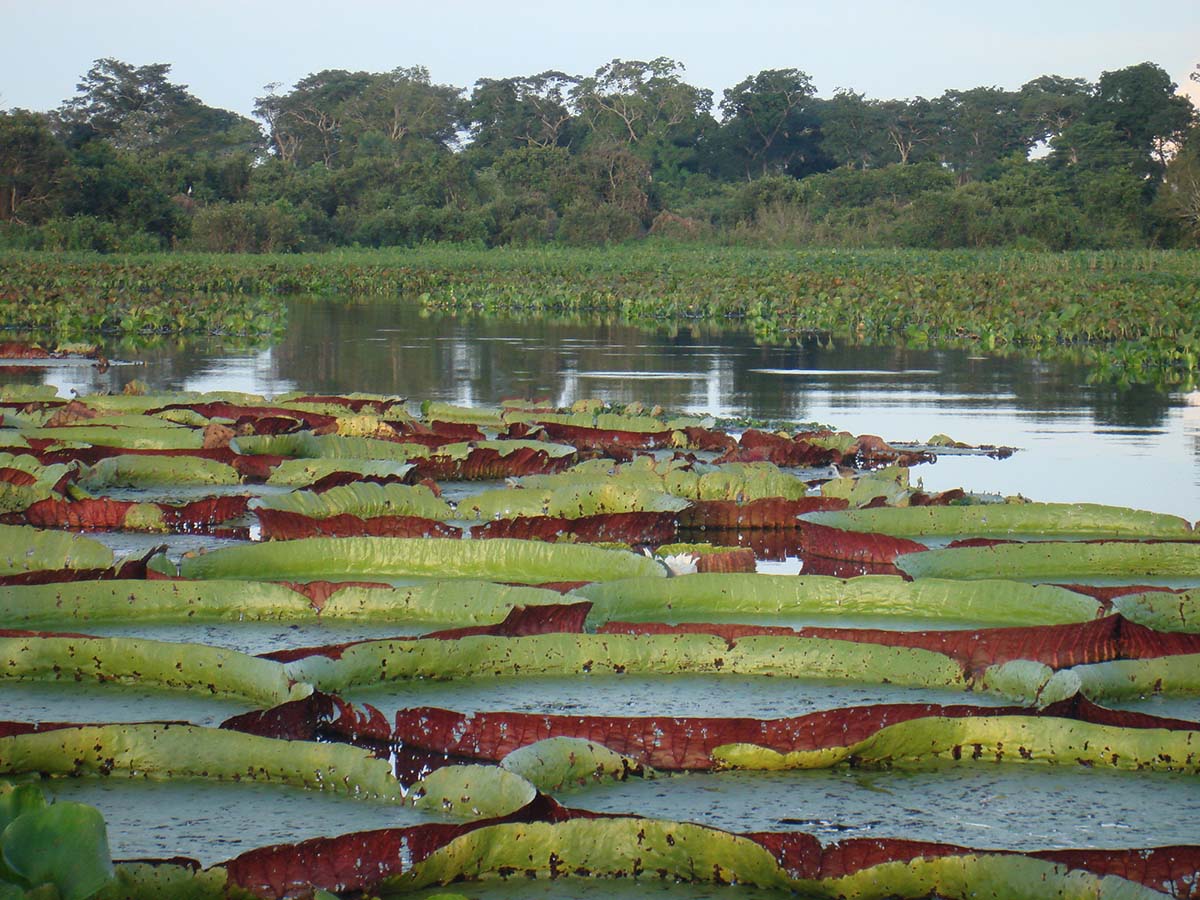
(1128,314)
(319,645)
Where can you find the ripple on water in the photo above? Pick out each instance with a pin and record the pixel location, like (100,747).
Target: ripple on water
(258,637)
(1009,806)
(215,821)
(637,695)
(111,702)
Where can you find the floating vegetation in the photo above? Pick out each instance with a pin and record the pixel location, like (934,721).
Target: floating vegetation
(1129,315)
(580,545)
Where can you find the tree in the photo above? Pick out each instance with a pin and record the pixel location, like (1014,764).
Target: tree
(618,177)
(530,111)
(911,127)
(771,123)
(329,115)
(404,105)
(979,128)
(306,123)
(1051,103)
(1093,147)
(548,176)
(628,101)
(1141,103)
(137,108)
(31,165)
(853,131)
(1180,192)
(122,188)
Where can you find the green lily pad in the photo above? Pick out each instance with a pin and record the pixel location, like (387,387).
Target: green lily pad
(472,792)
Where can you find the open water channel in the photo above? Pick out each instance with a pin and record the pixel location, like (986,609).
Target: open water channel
(1133,447)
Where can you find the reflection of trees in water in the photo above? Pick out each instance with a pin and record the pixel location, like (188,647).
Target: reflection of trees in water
(1134,407)
(164,362)
(392,347)
(395,348)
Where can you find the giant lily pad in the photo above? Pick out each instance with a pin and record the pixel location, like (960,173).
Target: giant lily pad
(1058,561)
(532,562)
(472,792)
(362,499)
(433,410)
(162,750)
(561,763)
(695,596)
(568,502)
(737,481)
(33,657)
(303,472)
(1022,739)
(143,471)
(446,602)
(24,549)
(1125,678)
(1162,610)
(1004,519)
(305,445)
(370,662)
(133,438)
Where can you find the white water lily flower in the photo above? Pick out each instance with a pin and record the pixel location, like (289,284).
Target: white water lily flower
(681,564)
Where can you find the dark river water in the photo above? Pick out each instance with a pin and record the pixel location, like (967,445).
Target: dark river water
(1135,447)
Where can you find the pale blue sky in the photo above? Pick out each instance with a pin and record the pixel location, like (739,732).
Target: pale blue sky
(226,51)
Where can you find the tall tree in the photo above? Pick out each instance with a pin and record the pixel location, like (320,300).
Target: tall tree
(911,126)
(771,123)
(31,165)
(628,101)
(138,108)
(1051,103)
(1180,193)
(979,128)
(1142,104)
(307,122)
(405,105)
(853,131)
(529,111)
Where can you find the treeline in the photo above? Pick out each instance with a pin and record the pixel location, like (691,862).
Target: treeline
(136,162)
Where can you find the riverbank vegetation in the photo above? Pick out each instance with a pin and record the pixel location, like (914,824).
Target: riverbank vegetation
(1132,314)
(134,162)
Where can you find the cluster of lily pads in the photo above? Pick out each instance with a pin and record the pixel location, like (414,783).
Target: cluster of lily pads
(395,553)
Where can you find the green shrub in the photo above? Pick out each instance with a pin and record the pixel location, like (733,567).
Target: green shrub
(584,224)
(246,227)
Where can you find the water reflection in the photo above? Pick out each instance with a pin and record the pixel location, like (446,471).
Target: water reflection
(1134,447)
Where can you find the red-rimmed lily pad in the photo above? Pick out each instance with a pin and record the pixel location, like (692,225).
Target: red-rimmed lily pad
(279,524)
(627,528)
(767,512)
(1056,646)
(546,840)
(107,514)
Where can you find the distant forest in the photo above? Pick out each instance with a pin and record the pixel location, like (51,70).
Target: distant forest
(135,162)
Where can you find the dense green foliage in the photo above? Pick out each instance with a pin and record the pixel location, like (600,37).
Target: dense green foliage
(134,162)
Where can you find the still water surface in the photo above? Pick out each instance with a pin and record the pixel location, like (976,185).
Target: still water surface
(1135,447)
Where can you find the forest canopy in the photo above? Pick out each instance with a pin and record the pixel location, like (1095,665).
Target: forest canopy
(134,161)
